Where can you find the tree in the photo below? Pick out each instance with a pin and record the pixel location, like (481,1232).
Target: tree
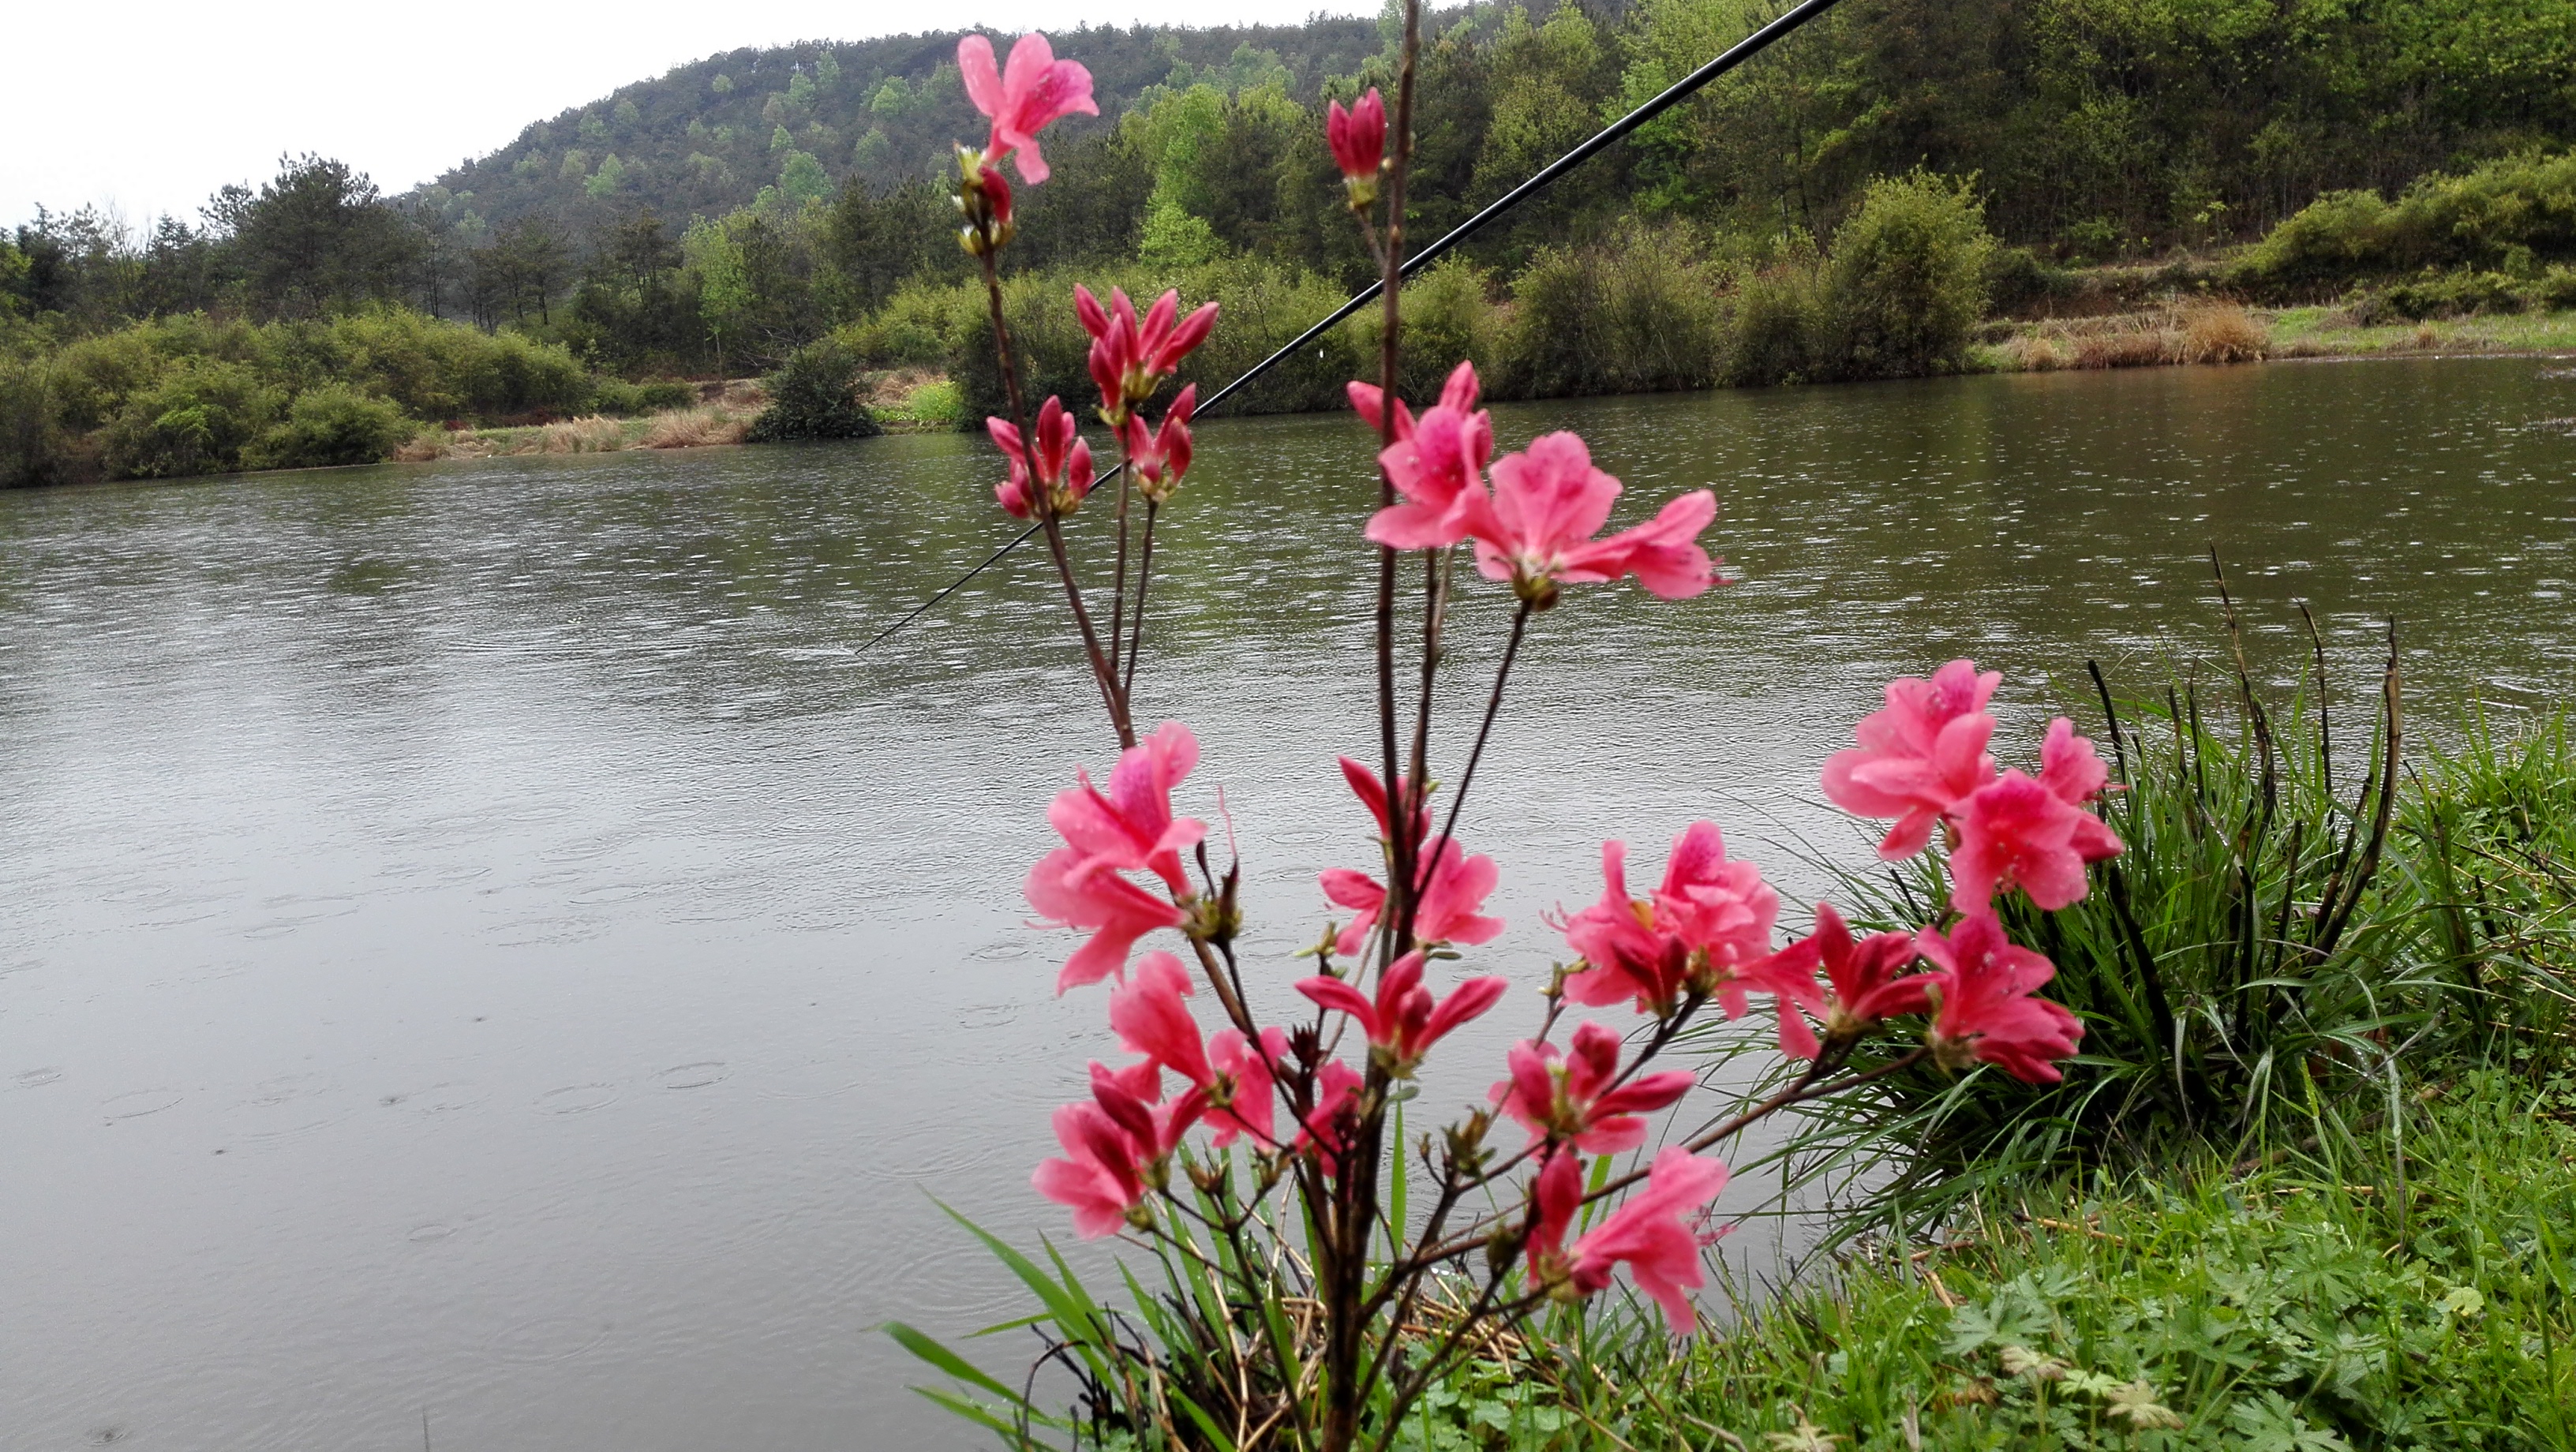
(316,239)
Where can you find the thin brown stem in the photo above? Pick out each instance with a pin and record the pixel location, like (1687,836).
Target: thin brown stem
(1118,589)
(1144,576)
(1396,921)
(1484,729)
(1042,502)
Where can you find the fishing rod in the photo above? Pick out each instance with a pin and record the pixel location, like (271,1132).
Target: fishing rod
(1671,96)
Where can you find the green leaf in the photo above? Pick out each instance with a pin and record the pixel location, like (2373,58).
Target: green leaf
(949,1361)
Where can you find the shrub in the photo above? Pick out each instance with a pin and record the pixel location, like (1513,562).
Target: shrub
(195,420)
(812,396)
(1639,311)
(619,397)
(2018,282)
(1779,325)
(333,424)
(34,449)
(2513,211)
(1449,315)
(2460,294)
(1906,281)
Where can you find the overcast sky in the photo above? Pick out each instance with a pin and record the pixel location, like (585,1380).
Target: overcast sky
(149,105)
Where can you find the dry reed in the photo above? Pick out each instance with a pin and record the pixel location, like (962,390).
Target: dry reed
(2220,332)
(689,428)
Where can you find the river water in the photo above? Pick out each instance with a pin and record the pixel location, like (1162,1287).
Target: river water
(482,944)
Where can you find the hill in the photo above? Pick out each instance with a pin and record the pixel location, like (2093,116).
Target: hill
(705,138)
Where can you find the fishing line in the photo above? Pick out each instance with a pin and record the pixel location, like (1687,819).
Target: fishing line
(1672,95)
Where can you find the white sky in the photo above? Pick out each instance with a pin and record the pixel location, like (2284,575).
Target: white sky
(149,105)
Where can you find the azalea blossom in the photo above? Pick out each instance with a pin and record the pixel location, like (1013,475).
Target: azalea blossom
(1358,139)
(1445,911)
(1160,456)
(1706,930)
(1150,1015)
(1066,889)
(1369,401)
(1130,357)
(1033,92)
(1987,1012)
(1655,1232)
(1063,462)
(2034,834)
(1365,785)
(1867,979)
(1242,1097)
(1570,1097)
(1920,756)
(1437,464)
(2015,832)
(1452,887)
(1131,826)
(1536,531)
(1404,1020)
(1114,1148)
(1328,1126)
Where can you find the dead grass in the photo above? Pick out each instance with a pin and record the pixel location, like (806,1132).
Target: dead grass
(690,428)
(592,435)
(2220,333)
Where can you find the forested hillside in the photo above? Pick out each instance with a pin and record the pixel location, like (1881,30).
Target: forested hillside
(803,120)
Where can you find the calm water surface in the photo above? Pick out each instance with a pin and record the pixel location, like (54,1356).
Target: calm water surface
(482,939)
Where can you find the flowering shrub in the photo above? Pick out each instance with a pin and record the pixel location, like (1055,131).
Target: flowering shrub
(1329,1292)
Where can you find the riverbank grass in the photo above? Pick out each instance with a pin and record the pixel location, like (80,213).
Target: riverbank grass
(2416,1297)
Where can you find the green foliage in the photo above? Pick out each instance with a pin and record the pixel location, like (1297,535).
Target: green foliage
(2364,1303)
(193,419)
(34,447)
(1780,325)
(1641,311)
(329,425)
(1906,281)
(811,397)
(619,398)
(2521,207)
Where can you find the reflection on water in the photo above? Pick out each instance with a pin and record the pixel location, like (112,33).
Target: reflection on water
(483,940)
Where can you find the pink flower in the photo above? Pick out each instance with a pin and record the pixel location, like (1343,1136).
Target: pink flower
(1031,94)
(1132,826)
(1705,931)
(1369,401)
(1987,1011)
(1114,1148)
(1536,531)
(1065,889)
(2035,835)
(1446,912)
(1571,1099)
(1438,465)
(1160,457)
(1129,358)
(1866,986)
(1920,756)
(1336,1114)
(1242,1096)
(2015,832)
(1149,1016)
(1372,794)
(1405,1020)
(1656,1233)
(1358,139)
(1452,888)
(1063,461)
